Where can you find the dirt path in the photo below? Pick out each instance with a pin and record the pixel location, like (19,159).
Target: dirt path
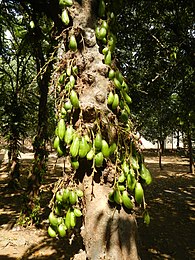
(171,199)
(170,235)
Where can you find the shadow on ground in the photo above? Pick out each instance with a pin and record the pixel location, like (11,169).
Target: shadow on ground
(171,203)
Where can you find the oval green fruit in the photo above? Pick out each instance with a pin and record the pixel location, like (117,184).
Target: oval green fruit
(51,232)
(111,74)
(121,178)
(102,8)
(65,17)
(83,147)
(117,83)
(115,102)
(72,219)
(72,80)
(62,230)
(113,148)
(69,134)
(53,220)
(65,196)
(99,159)
(126,200)
(110,98)
(77,212)
(124,116)
(105,50)
(146,218)
(117,197)
(119,76)
(111,196)
(73,197)
(98,141)
(68,105)
(56,142)
(72,43)
(61,129)
(79,193)
(67,219)
(102,32)
(75,163)
(139,193)
(104,24)
(59,195)
(74,148)
(108,58)
(74,99)
(145,174)
(105,149)
(90,155)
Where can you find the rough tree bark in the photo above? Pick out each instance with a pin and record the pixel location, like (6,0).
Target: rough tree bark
(108,233)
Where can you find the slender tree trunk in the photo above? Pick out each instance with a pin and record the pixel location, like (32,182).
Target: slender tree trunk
(190,151)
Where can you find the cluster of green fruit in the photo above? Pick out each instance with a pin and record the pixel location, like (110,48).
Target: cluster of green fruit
(65,212)
(65,16)
(133,175)
(81,146)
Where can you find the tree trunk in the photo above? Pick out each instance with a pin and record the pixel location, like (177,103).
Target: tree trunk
(160,152)
(190,151)
(108,233)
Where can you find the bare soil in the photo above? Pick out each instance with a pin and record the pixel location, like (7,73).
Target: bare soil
(171,204)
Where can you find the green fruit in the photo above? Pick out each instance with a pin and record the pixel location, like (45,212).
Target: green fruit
(125,86)
(72,43)
(119,76)
(127,98)
(105,149)
(117,197)
(68,71)
(32,24)
(73,197)
(61,149)
(127,109)
(74,99)
(65,17)
(68,86)
(63,3)
(108,58)
(77,212)
(97,32)
(110,98)
(74,148)
(124,116)
(75,70)
(111,74)
(65,196)
(99,159)
(69,134)
(104,24)
(121,178)
(125,168)
(102,32)
(139,193)
(68,105)
(72,219)
(126,200)
(75,163)
(56,142)
(131,181)
(62,78)
(90,155)
(134,163)
(53,220)
(146,218)
(67,219)
(115,102)
(111,196)
(102,8)
(61,129)
(60,220)
(113,148)
(98,141)
(121,187)
(59,195)
(62,230)
(105,50)
(72,80)
(117,83)
(79,193)
(145,174)
(83,147)
(58,210)
(112,42)
(51,232)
